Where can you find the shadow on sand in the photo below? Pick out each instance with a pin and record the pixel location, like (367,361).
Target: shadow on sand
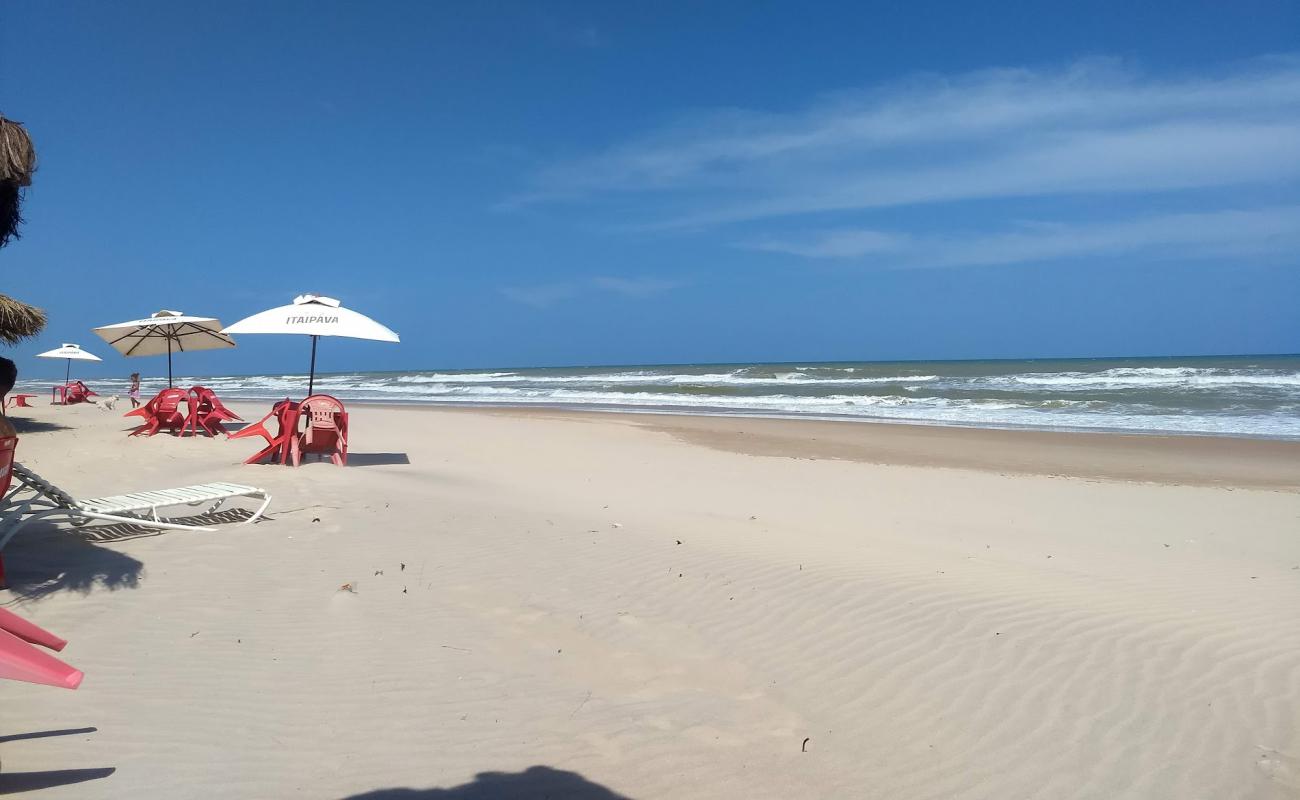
(15,782)
(377,459)
(28,425)
(17,737)
(122,531)
(44,559)
(231,427)
(534,783)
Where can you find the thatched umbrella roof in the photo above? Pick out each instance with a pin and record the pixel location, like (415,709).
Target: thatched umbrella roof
(19,321)
(17,163)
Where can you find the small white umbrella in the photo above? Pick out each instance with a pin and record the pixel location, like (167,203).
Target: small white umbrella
(315,316)
(70,352)
(164,332)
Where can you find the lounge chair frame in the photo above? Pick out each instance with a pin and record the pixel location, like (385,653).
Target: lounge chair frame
(140,508)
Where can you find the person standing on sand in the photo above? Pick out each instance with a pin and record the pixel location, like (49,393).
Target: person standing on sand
(134,391)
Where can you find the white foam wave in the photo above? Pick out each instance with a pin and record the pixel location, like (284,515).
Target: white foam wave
(1250,400)
(657,379)
(1185,377)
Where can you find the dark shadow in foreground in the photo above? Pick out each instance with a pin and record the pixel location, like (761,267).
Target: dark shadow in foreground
(534,783)
(15,782)
(28,425)
(44,559)
(14,737)
(377,459)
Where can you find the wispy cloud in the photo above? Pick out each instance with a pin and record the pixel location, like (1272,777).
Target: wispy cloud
(540,295)
(1095,127)
(571,33)
(588,36)
(1217,234)
(637,287)
(549,294)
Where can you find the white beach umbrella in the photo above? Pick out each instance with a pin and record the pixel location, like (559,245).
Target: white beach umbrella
(165,332)
(70,352)
(315,316)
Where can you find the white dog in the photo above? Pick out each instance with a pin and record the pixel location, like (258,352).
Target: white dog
(108,403)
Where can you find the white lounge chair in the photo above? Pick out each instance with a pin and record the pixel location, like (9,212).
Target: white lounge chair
(141,508)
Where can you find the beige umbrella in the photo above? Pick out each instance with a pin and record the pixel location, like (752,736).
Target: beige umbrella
(165,332)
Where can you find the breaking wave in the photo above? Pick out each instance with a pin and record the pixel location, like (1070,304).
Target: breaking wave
(1245,396)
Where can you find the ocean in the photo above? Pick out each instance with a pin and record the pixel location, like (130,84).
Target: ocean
(1256,396)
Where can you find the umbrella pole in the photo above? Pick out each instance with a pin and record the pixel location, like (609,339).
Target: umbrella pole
(311,376)
(169,362)
(67,373)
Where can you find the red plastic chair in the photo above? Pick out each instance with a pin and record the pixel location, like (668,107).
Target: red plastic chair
(207,412)
(285,414)
(70,393)
(326,431)
(20,401)
(163,411)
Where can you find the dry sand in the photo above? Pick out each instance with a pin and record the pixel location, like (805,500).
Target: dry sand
(600,606)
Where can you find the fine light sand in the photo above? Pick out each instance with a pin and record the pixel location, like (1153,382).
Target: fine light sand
(600,606)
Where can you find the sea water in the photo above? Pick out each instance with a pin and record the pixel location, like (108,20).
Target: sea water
(1240,395)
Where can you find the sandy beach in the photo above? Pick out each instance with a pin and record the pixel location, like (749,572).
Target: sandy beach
(590,605)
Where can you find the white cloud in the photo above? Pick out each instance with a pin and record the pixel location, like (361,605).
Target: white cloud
(845,243)
(1218,234)
(636,287)
(548,294)
(1092,128)
(540,296)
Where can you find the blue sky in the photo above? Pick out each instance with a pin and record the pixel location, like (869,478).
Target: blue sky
(514,184)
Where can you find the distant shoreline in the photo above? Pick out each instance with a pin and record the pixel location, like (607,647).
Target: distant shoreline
(1181,459)
(544,408)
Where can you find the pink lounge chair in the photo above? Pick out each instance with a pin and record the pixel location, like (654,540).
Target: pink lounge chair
(163,411)
(326,431)
(207,413)
(30,632)
(20,661)
(285,414)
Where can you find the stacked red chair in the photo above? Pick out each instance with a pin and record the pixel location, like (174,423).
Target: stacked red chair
(163,411)
(207,412)
(325,432)
(70,393)
(285,414)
